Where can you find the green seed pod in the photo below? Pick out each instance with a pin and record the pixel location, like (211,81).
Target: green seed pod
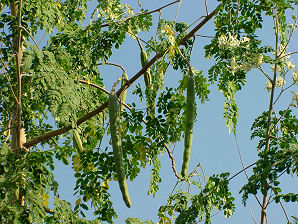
(147,75)
(77,142)
(124,93)
(190,112)
(117,148)
(16,194)
(148,83)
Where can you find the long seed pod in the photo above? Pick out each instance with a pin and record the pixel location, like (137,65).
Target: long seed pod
(122,96)
(148,82)
(147,74)
(77,142)
(117,148)
(124,93)
(190,112)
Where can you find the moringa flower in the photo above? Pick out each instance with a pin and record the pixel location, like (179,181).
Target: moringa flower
(244,39)
(268,86)
(295,77)
(280,82)
(290,65)
(222,41)
(233,41)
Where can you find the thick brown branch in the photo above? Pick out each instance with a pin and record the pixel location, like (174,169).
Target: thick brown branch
(127,84)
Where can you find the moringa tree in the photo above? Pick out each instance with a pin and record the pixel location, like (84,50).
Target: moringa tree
(54,105)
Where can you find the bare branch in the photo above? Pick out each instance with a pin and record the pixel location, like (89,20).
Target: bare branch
(114,64)
(206,7)
(243,167)
(285,212)
(199,35)
(236,174)
(177,11)
(94,85)
(267,76)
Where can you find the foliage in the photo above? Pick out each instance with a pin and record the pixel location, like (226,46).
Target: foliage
(53,105)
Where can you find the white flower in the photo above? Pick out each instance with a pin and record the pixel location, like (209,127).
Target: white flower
(167,29)
(246,67)
(290,65)
(280,82)
(278,68)
(295,97)
(233,65)
(257,60)
(268,86)
(295,77)
(233,41)
(244,39)
(222,41)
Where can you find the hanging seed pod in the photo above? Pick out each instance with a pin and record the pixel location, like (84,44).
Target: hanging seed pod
(117,148)
(77,142)
(124,93)
(190,112)
(148,83)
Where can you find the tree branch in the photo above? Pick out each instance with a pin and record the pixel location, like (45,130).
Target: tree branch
(60,131)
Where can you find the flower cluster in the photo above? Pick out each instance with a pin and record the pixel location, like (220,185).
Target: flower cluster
(231,41)
(278,83)
(290,65)
(254,61)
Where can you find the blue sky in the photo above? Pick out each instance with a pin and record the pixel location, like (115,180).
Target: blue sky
(213,146)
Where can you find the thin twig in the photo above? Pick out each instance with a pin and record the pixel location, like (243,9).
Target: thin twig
(243,167)
(177,10)
(140,39)
(94,85)
(114,64)
(251,214)
(32,38)
(239,172)
(43,36)
(282,92)
(199,35)
(206,7)
(285,212)
(186,61)
(267,76)
(294,52)
(173,161)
